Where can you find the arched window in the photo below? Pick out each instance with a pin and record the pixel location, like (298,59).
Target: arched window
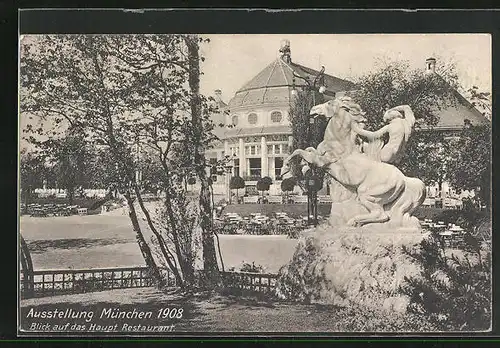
(276,116)
(252,118)
(234,120)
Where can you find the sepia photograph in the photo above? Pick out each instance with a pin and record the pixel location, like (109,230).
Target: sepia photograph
(172,184)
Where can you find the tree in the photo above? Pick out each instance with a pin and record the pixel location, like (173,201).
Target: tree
(428,151)
(200,129)
(470,169)
(304,134)
(288,184)
(236,183)
(71,158)
(480,100)
(97,83)
(31,175)
(264,184)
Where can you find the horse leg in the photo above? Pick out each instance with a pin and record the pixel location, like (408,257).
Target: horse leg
(376,213)
(373,198)
(309,156)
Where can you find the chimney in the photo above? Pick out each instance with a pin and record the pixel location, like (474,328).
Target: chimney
(285,51)
(430,65)
(218,95)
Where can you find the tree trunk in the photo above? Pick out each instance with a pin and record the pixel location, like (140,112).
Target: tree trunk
(143,246)
(440,186)
(187,267)
(211,267)
(27,195)
(161,242)
(71,194)
(28,268)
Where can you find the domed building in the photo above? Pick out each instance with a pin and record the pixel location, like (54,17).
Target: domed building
(258,135)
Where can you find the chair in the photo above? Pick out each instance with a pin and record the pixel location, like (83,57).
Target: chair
(82,211)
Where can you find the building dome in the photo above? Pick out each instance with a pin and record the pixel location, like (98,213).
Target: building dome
(275,82)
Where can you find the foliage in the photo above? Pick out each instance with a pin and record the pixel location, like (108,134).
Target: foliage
(31,175)
(304,134)
(288,184)
(131,95)
(480,100)
(454,291)
(71,158)
(249,267)
(470,168)
(263,184)
(31,171)
(236,183)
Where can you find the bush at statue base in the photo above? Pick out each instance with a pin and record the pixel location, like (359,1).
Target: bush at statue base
(339,266)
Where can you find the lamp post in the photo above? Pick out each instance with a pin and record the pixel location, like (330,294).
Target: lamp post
(229,170)
(310,181)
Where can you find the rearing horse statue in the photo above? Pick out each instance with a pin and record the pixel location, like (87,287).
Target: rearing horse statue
(385,193)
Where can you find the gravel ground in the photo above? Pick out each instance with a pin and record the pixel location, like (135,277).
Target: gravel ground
(213,313)
(108,241)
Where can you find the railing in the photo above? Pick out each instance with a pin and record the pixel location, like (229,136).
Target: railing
(251,199)
(274,199)
(58,282)
(262,283)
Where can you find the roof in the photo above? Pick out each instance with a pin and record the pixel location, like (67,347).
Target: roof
(453,116)
(274,83)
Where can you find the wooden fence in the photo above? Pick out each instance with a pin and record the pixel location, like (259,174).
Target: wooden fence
(58,282)
(262,283)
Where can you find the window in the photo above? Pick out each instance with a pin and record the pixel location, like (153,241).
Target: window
(252,118)
(234,120)
(278,164)
(269,149)
(276,117)
(236,167)
(234,150)
(255,166)
(277,149)
(252,150)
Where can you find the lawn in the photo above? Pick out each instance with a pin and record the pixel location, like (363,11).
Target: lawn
(215,313)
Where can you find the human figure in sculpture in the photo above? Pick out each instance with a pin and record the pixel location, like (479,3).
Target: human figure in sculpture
(379,186)
(399,129)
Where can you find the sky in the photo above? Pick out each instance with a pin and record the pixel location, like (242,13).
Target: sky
(232,60)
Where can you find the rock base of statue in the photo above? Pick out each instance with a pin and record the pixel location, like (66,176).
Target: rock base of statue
(346,265)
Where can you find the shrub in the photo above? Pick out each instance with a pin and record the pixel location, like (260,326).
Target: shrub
(288,184)
(263,184)
(248,267)
(454,291)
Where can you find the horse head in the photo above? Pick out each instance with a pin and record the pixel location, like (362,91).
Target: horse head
(340,113)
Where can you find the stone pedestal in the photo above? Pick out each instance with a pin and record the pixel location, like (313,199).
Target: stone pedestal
(341,265)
